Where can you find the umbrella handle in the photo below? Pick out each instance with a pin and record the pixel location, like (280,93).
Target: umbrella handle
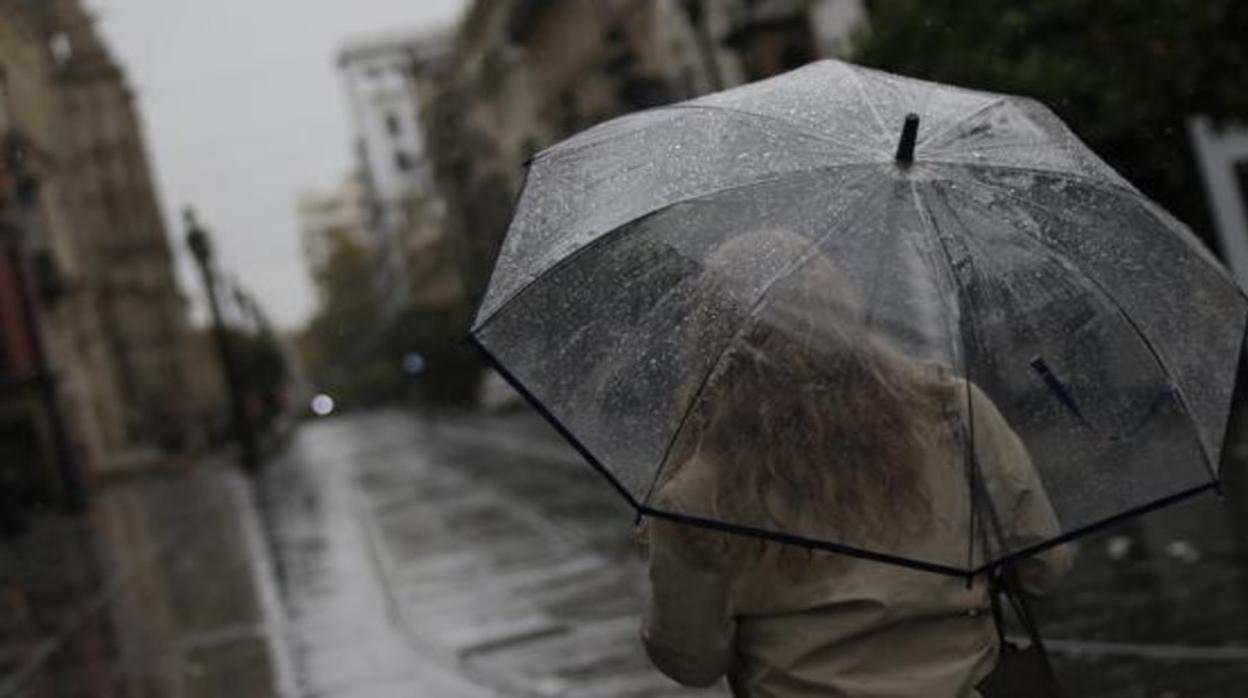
(909,133)
(1059,389)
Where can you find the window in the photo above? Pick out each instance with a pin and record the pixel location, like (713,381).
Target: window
(403,161)
(1222,154)
(61,48)
(393,125)
(6,119)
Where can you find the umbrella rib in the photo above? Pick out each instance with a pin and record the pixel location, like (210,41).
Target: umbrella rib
(1065,174)
(795,128)
(1070,264)
(971,114)
(476,319)
(800,260)
(610,233)
(802,541)
(862,93)
(969,432)
(1109,187)
(1035,143)
(1096,526)
(545,412)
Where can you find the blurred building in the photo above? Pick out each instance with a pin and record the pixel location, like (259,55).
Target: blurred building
(91,321)
(1222,156)
(328,219)
(383,78)
(144,312)
(525,73)
(768,37)
(60,410)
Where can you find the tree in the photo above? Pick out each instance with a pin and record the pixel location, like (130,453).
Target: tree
(360,357)
(340,344)
(450,368)
(1124,75)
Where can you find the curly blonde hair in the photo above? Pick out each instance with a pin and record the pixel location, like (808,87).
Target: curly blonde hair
(812,430)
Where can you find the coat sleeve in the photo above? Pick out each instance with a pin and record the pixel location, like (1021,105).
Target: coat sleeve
(687,626)
(1019,496)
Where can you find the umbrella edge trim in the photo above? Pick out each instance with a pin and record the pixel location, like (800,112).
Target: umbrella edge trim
(921,565)
(811,543)
(1069,536)
(546,414)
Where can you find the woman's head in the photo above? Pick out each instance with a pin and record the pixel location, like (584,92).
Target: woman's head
(809,423)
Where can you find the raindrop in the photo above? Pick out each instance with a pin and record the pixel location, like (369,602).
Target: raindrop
(1183,550)
(1118,547)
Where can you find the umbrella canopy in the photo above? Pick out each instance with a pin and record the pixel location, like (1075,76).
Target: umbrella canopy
(796,265)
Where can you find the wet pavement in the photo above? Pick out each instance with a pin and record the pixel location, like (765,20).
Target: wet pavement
(387,555)
(158,591)
(484,545)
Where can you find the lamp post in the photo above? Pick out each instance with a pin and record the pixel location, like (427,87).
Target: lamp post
(201,247)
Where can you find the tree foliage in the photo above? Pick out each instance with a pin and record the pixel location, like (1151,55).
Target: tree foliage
(1124,75)
(263,374)
(340,344)
(355,353)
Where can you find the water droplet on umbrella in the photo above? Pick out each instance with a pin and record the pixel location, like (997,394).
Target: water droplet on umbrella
(1183,550)
(1118,547)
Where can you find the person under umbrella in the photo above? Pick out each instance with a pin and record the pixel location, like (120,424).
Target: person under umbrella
(819,426)
(762,312)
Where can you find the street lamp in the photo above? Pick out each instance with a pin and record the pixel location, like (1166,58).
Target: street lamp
(201,247)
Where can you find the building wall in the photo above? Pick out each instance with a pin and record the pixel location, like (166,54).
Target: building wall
(120,223)
(329,218)
(524,74)
(379,79)
(109,315)
(51,327)
(382,77)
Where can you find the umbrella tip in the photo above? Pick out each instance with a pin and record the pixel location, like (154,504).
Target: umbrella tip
(909,132)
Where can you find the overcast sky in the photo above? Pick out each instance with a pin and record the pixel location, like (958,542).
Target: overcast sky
(244,110)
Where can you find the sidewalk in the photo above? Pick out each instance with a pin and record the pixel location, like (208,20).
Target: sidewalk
(159,590)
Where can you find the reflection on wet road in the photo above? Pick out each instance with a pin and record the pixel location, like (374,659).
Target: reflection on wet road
(383,555)
(415,553)
(340,620)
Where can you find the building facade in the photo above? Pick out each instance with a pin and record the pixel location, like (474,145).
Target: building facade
(59,405)
(524,74)
(119,219)
(91,319)
(332,218)
(384,78)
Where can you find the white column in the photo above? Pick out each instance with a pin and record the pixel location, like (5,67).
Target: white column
(1218,152)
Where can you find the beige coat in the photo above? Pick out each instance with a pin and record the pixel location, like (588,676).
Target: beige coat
(865,629)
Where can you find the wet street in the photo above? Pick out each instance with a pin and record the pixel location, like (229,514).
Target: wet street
(386,555)
(453,559)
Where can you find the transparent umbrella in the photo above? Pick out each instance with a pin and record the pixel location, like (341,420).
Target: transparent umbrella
(856,273)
